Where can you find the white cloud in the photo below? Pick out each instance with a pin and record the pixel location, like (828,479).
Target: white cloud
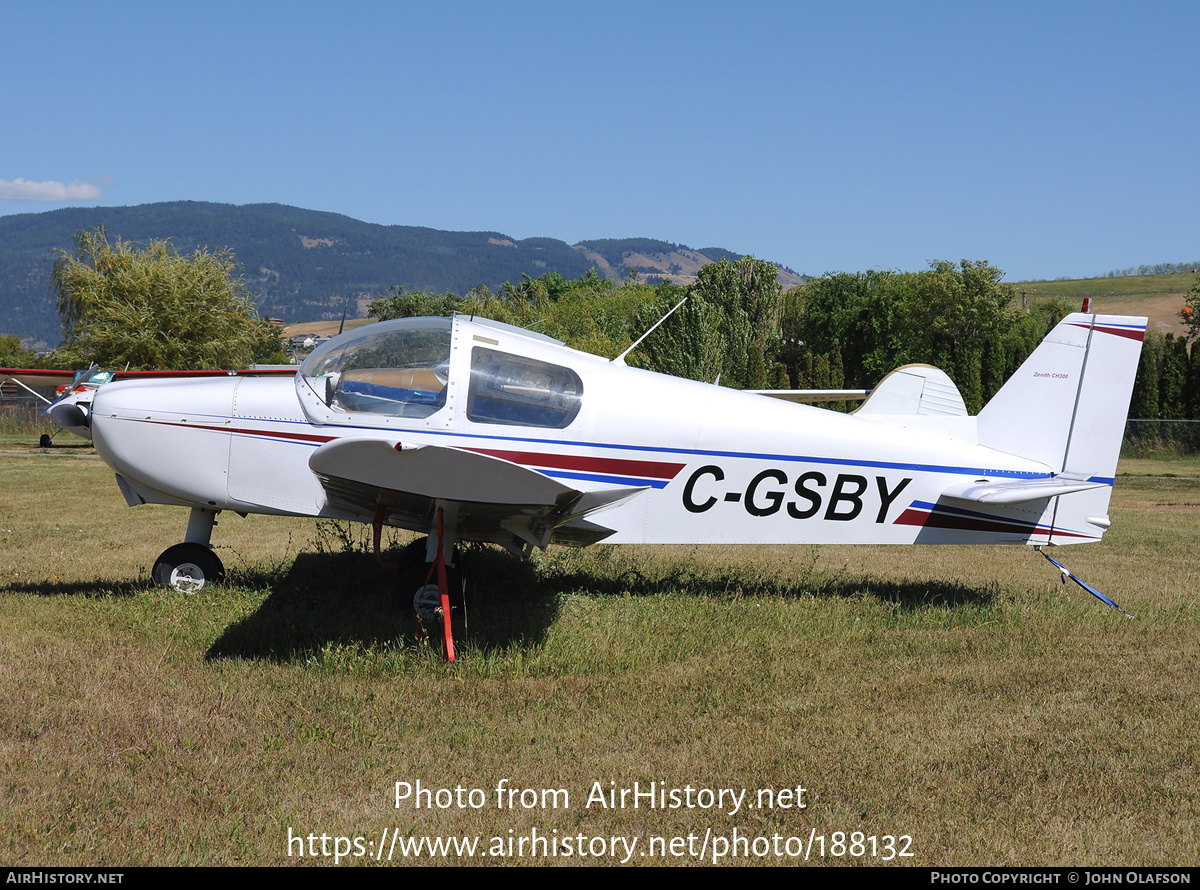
(55,192)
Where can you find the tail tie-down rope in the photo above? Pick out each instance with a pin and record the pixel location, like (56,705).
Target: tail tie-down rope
(1066,573)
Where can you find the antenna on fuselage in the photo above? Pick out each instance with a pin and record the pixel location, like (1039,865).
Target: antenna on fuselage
(620,359)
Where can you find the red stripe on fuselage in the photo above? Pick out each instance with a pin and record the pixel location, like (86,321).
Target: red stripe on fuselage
(582,463)
(243,431)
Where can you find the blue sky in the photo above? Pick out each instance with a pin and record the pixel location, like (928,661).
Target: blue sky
(1052,139)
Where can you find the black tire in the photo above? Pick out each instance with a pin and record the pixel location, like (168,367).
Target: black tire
(188,568)
(45,442)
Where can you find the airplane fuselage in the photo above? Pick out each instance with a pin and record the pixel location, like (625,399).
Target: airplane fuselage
(713,465)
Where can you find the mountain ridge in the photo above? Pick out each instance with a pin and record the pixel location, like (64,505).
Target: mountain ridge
(304,265)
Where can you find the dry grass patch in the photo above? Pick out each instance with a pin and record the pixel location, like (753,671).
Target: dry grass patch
(961,696)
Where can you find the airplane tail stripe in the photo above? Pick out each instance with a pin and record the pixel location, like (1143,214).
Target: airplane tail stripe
(926,515)
(963,523)
(1133,332)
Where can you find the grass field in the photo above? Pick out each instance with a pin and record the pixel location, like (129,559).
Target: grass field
(960,697)
(1129,287)
(1159,297)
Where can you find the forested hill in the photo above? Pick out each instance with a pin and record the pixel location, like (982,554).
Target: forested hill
(303,264)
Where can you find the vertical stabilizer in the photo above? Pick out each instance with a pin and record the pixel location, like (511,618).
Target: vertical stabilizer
(1066,407)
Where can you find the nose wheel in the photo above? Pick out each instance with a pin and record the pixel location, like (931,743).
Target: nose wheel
(188,568)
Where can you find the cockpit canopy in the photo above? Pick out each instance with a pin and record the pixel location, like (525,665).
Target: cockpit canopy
(402,369)
(521,391)
(398,368)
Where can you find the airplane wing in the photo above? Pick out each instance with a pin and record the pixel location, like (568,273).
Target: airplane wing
(908,391)
(495,500)
(37,376)
(28,377)
(49,377)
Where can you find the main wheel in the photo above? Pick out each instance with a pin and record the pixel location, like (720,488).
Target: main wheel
(413,588)
(188,568)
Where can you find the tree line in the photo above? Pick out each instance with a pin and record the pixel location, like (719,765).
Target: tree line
(147,306)
(738,326)
(1168,378)
(1155,269)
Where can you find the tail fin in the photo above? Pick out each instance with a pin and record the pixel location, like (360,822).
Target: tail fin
(1066,407)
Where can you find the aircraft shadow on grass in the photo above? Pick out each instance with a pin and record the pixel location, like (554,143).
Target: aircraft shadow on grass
(87,589)
(474,431)
(347,599)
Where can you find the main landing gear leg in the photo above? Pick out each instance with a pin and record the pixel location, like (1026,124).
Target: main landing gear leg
(189,566)
(377,529)
(423,575)
(443,576)
(439,566)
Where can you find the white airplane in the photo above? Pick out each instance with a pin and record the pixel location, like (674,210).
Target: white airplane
(472,430)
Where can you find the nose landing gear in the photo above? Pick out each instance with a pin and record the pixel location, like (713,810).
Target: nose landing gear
(189,566)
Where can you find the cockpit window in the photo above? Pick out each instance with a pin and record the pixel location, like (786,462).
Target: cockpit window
(397,368)
(521,391)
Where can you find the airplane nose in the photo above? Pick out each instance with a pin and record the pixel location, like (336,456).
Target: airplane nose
(73,416)
(70,416)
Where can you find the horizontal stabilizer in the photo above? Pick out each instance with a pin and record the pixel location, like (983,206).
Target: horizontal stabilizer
(1017,491)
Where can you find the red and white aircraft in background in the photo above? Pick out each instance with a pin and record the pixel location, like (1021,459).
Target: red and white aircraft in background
(74,389)
(472,430)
